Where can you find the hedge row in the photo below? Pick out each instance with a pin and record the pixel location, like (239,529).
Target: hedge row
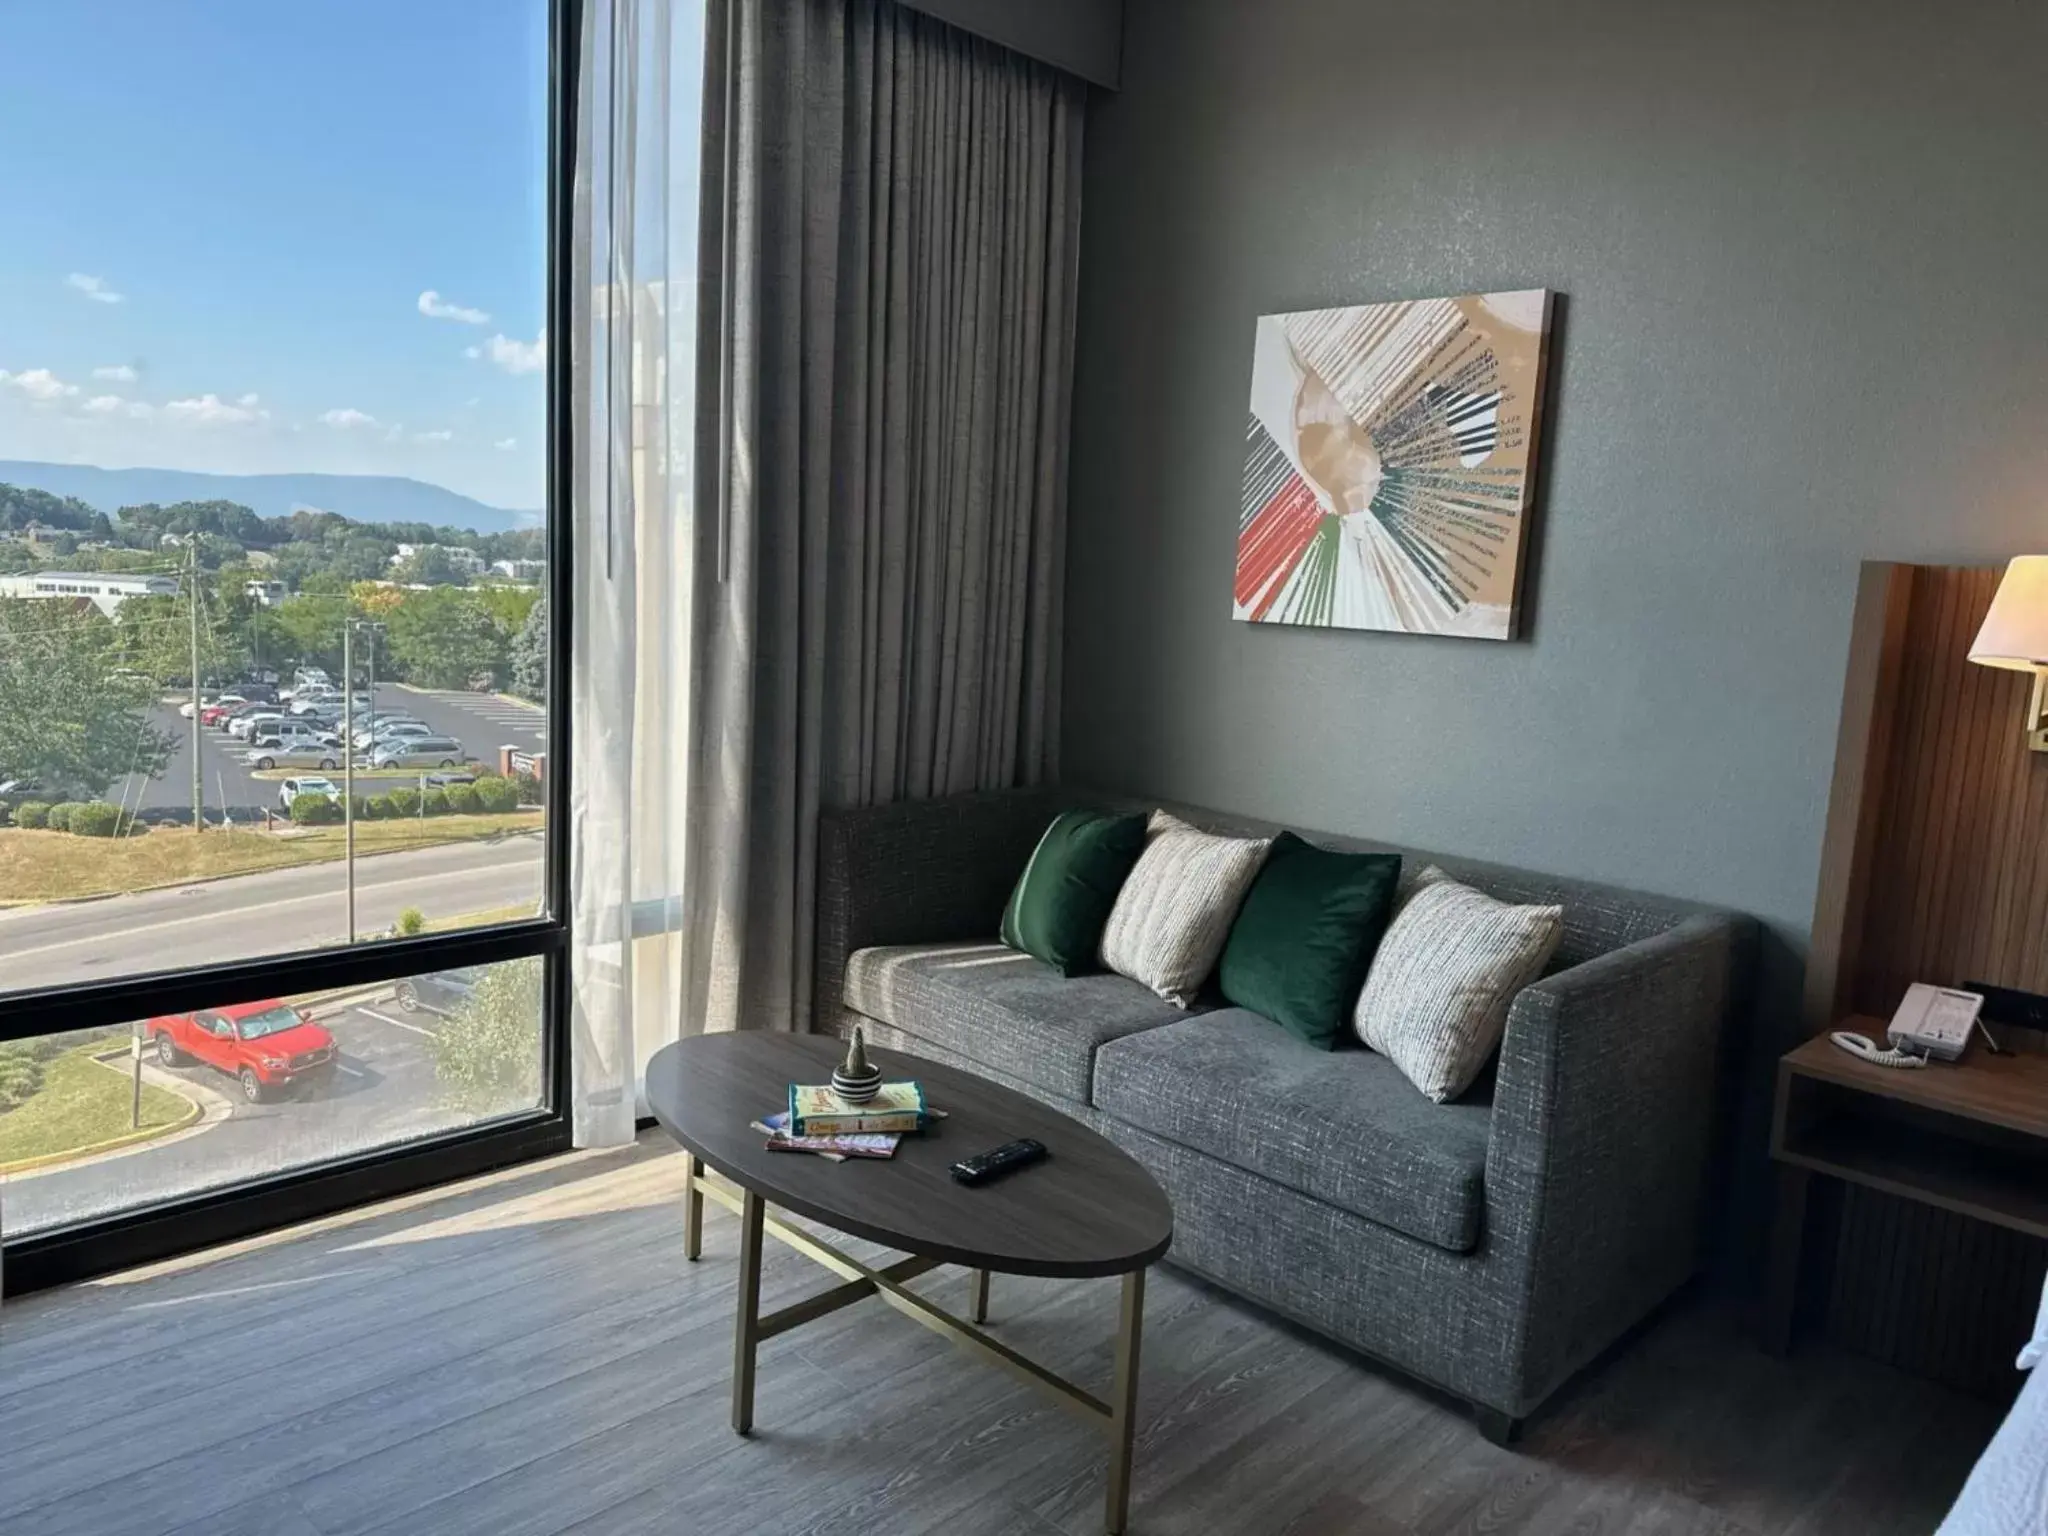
(493,795)
(87,818)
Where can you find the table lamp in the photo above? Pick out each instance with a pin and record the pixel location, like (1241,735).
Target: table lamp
(2015,635)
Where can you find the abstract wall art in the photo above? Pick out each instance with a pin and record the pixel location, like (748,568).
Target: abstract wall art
(1389,462)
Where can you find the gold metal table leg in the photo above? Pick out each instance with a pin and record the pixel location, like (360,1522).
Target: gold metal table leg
(747,1327)
(1123,1402)
(1118,1417)
(693,1208)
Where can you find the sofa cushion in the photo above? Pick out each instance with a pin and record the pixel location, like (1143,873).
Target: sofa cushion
(1013,1014)
(1299,949)
(1175,910)
(1344,1127)
(1070,882)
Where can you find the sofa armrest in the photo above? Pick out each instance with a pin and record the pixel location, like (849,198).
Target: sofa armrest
(1603,1125)
(919,871)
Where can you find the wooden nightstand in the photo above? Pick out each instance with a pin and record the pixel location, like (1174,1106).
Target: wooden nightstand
(1969,1136)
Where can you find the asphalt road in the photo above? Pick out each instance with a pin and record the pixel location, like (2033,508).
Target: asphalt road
(482,722)
(267,913)
(384,1090)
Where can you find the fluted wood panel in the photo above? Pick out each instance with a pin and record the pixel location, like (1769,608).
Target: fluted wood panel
(1935,869)
(1957,884)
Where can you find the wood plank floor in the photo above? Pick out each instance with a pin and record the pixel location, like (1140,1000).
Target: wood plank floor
(530,1354)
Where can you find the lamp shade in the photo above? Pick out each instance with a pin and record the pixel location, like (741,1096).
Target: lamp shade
(2015,632)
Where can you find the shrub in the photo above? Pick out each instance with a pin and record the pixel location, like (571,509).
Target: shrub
(60,814)
(404,802)
(379,808)
(411,921)
(21,1074)
(462,799)
(486,1054)
(497,795)
(434,803)
(32,813)
(315,810)
(95,818)
(530,790)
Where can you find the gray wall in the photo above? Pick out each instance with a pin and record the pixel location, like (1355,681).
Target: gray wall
(1080,36)
(1804,254)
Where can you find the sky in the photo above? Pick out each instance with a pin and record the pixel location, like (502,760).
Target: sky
(249,236)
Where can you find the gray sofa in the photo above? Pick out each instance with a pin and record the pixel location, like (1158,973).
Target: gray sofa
(1491,1246)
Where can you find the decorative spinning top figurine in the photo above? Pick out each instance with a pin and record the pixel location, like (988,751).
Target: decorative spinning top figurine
(854,1079)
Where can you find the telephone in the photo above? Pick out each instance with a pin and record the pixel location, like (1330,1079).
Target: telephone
(1935,1020)
(1931,1022)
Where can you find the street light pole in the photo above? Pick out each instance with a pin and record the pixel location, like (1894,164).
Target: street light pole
(348,764)
(370,632)
(192,602)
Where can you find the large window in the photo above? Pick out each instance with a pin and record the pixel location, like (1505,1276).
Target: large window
(281,739)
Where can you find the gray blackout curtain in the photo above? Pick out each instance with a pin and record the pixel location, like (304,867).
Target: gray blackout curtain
(887,300)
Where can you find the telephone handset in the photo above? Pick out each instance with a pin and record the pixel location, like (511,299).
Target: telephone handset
(1864,1046)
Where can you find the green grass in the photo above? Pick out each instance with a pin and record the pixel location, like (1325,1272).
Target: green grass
(84,1106)
(56,866)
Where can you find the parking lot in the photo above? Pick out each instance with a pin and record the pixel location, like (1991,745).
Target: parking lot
(482,722)
(384,1090)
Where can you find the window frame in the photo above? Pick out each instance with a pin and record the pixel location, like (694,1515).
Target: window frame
(164,1229)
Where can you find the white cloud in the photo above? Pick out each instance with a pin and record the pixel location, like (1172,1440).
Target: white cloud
(513,355)
(212,411)
(443,435)
(348,416)
(506,444)
(39,384)
(434,307)
(94,288)
(116,373)
(104,405)
(472,353)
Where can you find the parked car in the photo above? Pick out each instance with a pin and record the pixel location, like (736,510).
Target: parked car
(392,730)
(303,676)
(263,759)
(440,992)
(306,784)
(214,714)
(243,726)
(265,1046)
(288,733)
(418,752)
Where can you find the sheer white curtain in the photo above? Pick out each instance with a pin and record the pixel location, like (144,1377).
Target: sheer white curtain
(641,79)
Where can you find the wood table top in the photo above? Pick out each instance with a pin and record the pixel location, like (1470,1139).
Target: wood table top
(1088,1209)
(2009,1090)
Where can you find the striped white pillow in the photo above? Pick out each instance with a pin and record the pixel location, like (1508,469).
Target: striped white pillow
(1437,997)
(1175,910)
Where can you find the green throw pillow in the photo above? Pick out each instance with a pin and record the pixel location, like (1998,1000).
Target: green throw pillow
(1305,936)
(1064,895)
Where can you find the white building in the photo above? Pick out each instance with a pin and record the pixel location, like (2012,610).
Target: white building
(460,557)
(520,570)
(268,594)
(105,590)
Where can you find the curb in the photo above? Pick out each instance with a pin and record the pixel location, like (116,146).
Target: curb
(128,1141)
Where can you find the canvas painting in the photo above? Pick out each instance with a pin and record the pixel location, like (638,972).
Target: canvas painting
(1389,461)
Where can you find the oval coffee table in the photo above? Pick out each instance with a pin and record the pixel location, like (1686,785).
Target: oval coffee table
(1087,1209)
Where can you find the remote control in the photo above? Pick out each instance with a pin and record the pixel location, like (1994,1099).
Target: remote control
(993,1165)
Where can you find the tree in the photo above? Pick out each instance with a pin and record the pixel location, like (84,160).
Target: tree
(68,716)
(487,1054)
(443,638)
(530,655)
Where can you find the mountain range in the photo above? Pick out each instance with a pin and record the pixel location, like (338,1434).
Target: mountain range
(365,498)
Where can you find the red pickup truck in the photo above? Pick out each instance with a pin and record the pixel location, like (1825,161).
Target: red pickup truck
(265,1046)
